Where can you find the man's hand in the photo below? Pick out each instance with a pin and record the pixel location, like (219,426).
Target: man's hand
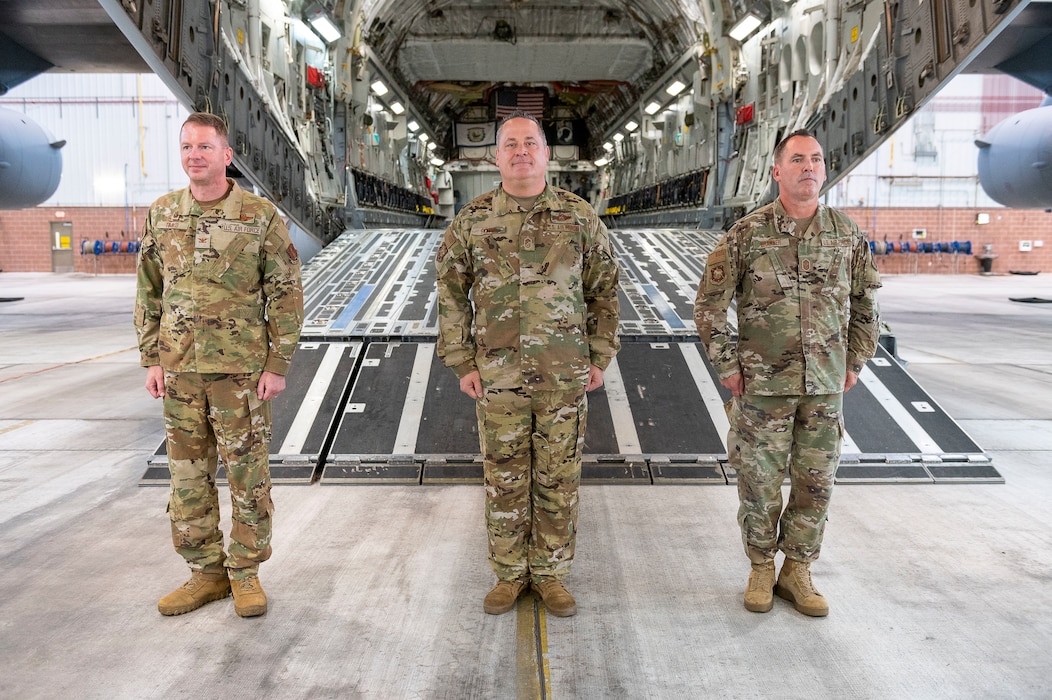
(270,385)
(736,383)
(471,384)
(595,378)
(850,380)
(155,381)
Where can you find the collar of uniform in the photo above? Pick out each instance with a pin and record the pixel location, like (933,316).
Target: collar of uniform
(231,205)
(504,204)
(823,221)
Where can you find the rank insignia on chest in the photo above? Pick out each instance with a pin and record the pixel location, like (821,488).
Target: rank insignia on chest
(203,239)
(527,243)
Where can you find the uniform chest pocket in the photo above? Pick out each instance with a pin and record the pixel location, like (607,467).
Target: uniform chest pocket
(563,251)
(829,272)
(771,278)
(229,245)
(492,251)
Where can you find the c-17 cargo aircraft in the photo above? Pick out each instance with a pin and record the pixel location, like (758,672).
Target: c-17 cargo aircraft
(377,117)
(667,111)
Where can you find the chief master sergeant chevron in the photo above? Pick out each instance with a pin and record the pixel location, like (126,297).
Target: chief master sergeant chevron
(528,316)
(804,282)
(218,313)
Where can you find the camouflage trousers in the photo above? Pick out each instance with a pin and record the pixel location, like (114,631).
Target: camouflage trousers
(531,448)
(769,434)
(208,416)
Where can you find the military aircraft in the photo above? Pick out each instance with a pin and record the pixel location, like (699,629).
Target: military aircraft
(1015,157)
(664,112)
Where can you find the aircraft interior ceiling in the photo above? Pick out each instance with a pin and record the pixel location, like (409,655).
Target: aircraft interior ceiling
(597,58)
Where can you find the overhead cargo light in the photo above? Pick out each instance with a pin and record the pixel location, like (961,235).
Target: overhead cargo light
(675,88)
(601,162)
(322,23)
(423,137)
(608,146)
(437,162)
(413,125)
(652,108)
(379,88)
(631,126)
(746,25)
(619,136)
(432,146)
(397,107)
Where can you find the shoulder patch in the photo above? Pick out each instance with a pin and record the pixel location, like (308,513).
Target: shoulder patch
(717,273)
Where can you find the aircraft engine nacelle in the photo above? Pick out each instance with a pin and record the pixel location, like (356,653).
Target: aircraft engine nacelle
(1015,160)
(30,162)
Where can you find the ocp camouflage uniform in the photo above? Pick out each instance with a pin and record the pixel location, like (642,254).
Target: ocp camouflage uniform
(806,313)
(529,299)
(219,301)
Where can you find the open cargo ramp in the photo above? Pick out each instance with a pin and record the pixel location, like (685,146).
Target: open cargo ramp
(368,401)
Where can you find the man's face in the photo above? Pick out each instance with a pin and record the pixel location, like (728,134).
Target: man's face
(801,171)
(522,157)
(204,154)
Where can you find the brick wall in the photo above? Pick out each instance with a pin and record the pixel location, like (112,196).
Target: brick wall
(25,237)
(1005,230)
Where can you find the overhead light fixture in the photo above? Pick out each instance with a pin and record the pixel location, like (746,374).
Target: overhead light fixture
(379,88)
(601,162)
(631,126)
(437,162)
(675,88)
(423,137)
(322,23)
(397,107)
(413,125)
(432,146)
(608,146)
(746,25)
(619,136)
(652,108)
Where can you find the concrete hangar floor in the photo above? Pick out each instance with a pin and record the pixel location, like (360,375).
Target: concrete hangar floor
(937,578)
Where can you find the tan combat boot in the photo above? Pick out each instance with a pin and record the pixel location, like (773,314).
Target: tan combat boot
(503,596)
(556,598)
(794,584)
(203,587)
(249,598)
(758,595)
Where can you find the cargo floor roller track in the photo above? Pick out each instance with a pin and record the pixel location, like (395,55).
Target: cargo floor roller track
(368,401)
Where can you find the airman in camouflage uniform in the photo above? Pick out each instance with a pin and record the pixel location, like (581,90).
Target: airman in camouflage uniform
(804,280)
(528,316)
(218,313)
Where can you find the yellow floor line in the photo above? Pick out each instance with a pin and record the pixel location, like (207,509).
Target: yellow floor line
(533,681)
(16,426)
(64,364)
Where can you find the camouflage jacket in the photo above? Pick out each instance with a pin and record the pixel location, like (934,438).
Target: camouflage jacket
(806,304)
(527,298)
(218,291)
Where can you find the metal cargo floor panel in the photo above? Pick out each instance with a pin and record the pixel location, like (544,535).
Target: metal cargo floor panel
(381,283)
